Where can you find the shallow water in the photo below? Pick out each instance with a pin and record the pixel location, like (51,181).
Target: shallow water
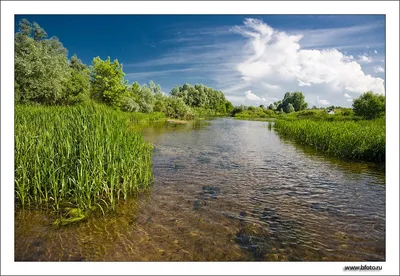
(227,190)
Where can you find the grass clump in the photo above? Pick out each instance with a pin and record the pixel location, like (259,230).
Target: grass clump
(360,140)
(82,157)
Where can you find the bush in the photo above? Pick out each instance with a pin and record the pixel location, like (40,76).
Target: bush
(129,105)
(369,105)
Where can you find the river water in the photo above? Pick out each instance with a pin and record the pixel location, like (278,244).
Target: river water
(227,190)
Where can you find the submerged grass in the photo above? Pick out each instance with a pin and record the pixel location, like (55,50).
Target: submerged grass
(82,158)
(360,140)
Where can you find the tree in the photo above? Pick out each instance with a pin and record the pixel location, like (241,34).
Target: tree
(271,107)
(176,108)
(200,96)
(369,105)
(77,88)
(294,98)
(38,32)
(41,67)
(107,81)
(289,108)
(146,99)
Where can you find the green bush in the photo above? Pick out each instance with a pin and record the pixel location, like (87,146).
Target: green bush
(369,105)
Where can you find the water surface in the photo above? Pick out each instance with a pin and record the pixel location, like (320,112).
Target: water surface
(228,190)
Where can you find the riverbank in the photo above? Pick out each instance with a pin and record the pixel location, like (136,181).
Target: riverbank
(358,140)
(342,134)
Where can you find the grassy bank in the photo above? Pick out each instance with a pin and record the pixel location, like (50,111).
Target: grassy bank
(360,140)
(76,159)
(342,114)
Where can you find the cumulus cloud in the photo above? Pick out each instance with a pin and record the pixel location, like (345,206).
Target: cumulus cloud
(323,102)
(273,56)
(375,51)
(379,69)
(364,58)
(347,96)
(253,97)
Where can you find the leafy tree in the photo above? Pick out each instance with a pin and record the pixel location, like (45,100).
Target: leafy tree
(38,32)
(129,105)
(271,107)
(77,88)
(228,107)
(289,108)
(176,108)
(238,109)
(203,97)
(41,66)
(369,105)
(107,81)
(294,98)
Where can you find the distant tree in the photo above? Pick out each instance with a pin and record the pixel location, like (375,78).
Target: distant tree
(289,108)
(271,107)
(294,98)
(176,108)
(77,87)
(228,107)
(130,105)
(238,109)
(369,105)
(107,81)
(146,99)
(155,88)
(203,97)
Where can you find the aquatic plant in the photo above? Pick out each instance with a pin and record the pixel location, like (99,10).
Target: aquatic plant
(361,140)
(81,157)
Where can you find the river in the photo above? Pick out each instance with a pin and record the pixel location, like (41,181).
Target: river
(227,190)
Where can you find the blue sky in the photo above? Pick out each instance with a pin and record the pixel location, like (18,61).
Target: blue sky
(253,59)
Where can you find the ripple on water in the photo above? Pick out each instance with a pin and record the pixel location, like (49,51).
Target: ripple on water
(230,191)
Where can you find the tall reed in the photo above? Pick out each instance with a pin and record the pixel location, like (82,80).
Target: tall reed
(84,156)
(361,140)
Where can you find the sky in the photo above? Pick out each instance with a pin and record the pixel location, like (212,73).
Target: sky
(252,59)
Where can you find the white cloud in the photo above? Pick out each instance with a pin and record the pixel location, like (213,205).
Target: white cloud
(349,100)
(323,102)
(270,86)
(274,56)
(375,51)
(348,58)
(253,97)
(156,73)
(379,69)
(347,96)
(364,58)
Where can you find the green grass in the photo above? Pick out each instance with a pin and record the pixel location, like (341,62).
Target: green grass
(77,159)
(360,140)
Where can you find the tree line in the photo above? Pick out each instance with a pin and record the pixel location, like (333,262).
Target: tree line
(45,75)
